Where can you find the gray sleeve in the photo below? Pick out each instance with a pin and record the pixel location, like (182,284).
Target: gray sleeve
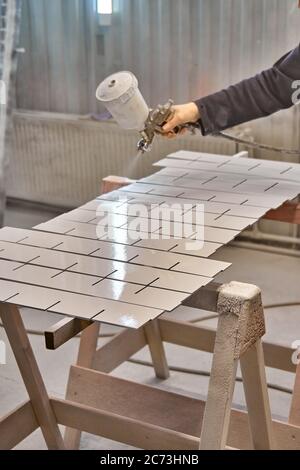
(256,97)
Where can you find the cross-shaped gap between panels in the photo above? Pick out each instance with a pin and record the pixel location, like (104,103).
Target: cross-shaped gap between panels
(148,285)
(64,270)
(106,277)
(26,264)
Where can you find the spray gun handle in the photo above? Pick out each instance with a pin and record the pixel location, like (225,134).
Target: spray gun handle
(156,121)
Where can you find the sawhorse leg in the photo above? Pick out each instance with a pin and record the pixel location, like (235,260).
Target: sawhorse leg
(239,332)
(31,375)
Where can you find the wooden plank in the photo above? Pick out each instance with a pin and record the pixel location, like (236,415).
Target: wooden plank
(203,339)
(286,437)
(288,212)
(136,401)
(86,353)
(187,335)
(256,393)
(205,298)
(17,425)
(119,349)
(279,357)
(157,351)
(113,415)
(111,183)
(63,331)
(31,375)
(146,436)
(121,429)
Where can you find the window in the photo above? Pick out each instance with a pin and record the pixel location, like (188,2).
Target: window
(104,7)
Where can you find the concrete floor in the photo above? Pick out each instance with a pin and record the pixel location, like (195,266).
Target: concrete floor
(278,277)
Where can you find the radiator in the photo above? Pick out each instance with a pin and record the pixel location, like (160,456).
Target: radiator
(60,159)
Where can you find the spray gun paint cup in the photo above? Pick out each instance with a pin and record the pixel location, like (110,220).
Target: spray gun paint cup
(121,96)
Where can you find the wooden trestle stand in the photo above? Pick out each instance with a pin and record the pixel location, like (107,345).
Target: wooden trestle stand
(146,417)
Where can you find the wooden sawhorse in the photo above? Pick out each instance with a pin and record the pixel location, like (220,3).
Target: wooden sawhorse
(140,415)
(174,422)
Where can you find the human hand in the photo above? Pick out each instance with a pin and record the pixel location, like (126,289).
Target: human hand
(182,114)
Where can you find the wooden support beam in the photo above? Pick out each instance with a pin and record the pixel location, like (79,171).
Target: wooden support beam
(118,350)
(147,436)
(172,331)
(144,417)
(205,298)
(129,431)
(111,183)
(288,212)
(157,351)
(17,425)
(86,354)
(63,331)
(203,339)
(187,335)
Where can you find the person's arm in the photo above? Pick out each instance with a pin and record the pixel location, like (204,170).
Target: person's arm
(256,97)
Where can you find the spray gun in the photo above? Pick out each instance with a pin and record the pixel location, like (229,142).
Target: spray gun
(121,96)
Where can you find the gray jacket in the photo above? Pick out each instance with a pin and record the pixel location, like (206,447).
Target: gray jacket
(256,97)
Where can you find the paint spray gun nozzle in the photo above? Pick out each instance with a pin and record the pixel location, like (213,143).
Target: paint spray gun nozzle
(157,118)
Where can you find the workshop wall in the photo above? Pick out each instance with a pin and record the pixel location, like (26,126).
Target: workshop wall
(178,49)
